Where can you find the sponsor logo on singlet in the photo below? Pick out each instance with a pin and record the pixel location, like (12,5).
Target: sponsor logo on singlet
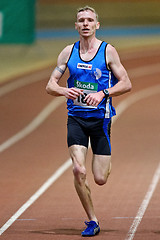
(86,85)
(84,66)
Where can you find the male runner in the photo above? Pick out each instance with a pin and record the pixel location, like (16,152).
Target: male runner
(96,75)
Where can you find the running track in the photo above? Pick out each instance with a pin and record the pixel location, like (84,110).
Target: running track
(38,200)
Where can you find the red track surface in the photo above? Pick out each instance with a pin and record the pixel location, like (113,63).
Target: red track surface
(27,164)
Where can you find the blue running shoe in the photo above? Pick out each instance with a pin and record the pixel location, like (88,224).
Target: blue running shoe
(91,230)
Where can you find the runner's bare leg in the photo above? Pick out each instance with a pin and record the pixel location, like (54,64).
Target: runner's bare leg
(101,168)
(78,155)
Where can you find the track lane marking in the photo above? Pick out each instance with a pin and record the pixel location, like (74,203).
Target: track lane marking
(23,81)
(36,195)
(135,97)
(120,109)
(139,54)
(137,72)
(144,205)
(145,70)
(124,105)
(38,76)
(34,124)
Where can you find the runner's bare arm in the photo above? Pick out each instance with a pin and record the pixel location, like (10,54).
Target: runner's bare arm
(124,84)
(53,87)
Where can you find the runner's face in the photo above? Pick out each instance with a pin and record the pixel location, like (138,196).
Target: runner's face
(86,23)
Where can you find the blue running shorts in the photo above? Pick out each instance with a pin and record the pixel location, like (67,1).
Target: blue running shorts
(98,130)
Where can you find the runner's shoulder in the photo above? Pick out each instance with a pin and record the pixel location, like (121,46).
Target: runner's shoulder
(65,53)
(111,54)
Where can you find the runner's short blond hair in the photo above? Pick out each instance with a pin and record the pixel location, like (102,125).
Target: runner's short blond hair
(82,9)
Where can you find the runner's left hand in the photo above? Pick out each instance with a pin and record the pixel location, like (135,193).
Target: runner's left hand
(93,99)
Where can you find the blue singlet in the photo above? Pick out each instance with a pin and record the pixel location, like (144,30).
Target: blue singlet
(91,76)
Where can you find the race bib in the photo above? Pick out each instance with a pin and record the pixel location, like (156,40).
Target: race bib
(87,87)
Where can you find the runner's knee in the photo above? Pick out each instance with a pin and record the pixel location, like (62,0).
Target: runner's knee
(100,180)
(79,173)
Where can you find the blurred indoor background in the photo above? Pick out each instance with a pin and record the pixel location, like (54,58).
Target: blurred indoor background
(33,32)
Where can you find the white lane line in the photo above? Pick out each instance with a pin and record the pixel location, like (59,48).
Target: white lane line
(127,55)
(135,97)
(41,117)
(144,205)
(23,81)
(35,196)
(120,109)
(150,217)
(145,70)
(46,112)
(58,101)
(137,72)
(39,76)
